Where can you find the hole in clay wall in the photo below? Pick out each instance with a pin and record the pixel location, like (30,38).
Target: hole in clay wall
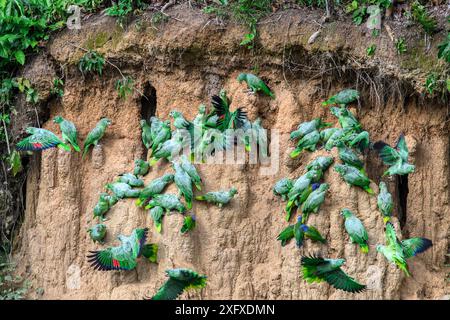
(402,195)
(148,108)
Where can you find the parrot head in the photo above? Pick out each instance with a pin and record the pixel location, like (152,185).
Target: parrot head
(193,217)
(324,187)
(339,168)
(346,213)
(315,186)
(105,121)
(335,111)
(202,109)
(241,77)
(57,119)
(143,123)
(233,191)
(175,114)
(380,248)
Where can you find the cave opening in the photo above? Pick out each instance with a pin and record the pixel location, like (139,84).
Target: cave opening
(148,109)
(402,193)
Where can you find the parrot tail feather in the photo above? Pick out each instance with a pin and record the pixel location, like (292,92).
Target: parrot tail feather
(198,186)
(158,226)
(248,148)
(76,148)
(386,219)
(364,248)
(404,268)
(153,161)
(64,147)
(369,190)
(294,154)
(200,198)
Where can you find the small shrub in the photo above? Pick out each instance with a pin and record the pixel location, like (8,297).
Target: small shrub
(444,49)
(91,62)
(11,287)
(400,46)
(124,87)
(58,87)
(371,50)
(419,14)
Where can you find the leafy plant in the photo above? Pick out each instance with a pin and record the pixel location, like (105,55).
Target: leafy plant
(158,18)
(400,46)
(58,87)
(419,13)
(91,62)
(123,9)
(371,50)
(124,87)
(444,49)
(24,86)
(11,287)
(430,83)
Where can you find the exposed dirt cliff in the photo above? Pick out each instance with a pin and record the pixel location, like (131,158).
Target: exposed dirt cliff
(181,64)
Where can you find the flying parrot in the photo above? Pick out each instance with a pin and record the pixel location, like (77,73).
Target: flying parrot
(167,201)
(227,119)
(150,251)
(398,252)
(40,139)
(348,156)
(190,169)
(318,269)
(282,188)
(314,201)
(97,233)
(384,202)
(184,184)
(307,127)
(354,177)
(343,97)
(179,281)
(308,142)
(69,131)
(218,197)
(300,231)
(355,230)
(123,190)
(320,163)
(155,187)
(255,84)
(188,223)
(396,158)
(131,180)
(123,257)
(146,134)
(96,134)
(141,167)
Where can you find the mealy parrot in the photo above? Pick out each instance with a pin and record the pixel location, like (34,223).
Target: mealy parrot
(396,158)
(166,150)
(356,230)
(301,189)
(308,142)
(384,202)
(157,213)
(314,201)
(69,132)
(179,281)
(131,180)
(188,223)
(343,97)
(40,139)
(146,134)
(190,169)
(320,163)
(200,118)
(123,190)
(218,197)
(255,84)
(123,257)
(318,269)
(179,121)
(326,134)
(299,231)
(160,132)
(282,188)
(184,184)
(358,140)
(104,203)
(227,119)
(348,156)
(96,134)
(307,127)
(167,201)
(334,138)
(346,118)
(141,167)
(354,176)
(97,233)
(398,252)
(150,251)
(155,187)
(259,135)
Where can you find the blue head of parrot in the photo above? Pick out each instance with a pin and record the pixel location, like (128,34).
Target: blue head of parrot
(305,227)
(315,186)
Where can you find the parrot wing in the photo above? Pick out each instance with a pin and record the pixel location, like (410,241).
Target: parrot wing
(340,280)
(389,155)
(413,246)
(402,148)
(286,235)
(113,258)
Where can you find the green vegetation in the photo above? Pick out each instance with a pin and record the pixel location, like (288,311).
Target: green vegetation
(421,16)
(358,8)
(400,46)
(123,9)
(91,62)
(11,287)
(371,50)
(58,87)
(444,49)
(124,87)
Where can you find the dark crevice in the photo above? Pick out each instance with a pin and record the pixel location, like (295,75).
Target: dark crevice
(402,193)
(148,108)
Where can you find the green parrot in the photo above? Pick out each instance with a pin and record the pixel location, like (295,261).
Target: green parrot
(190,169)
(155,187)
(314,201)
(146,134)
(141,167)
(348,156)
(326,134)
(398,252)
(69,131)
(396,158)
(166,150)
(188,223)
(104,203)
(179,121)
(200,118)
(307,127)
(354,177)
(343,97)
(184,184)
(123,190)
(40,139)
(227,119)
(157,213)
(320,163)
(218,197)
(356,230)
(160,132)
(384,202)
(358,140)
(301,189)
(308,142)
(282,188)
(167,201)
(97,233)
(299,231)
(179,280)
(255,84)
(96,134)
(318,269)
(123,257)
(150,251)
(131,180)
(334,138)
(346,119)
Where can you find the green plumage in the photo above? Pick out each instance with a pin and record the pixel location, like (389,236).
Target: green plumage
(218,197)
(188,223)
(308,142)
(384,202)
(307,127)
(155,187)
(184,184)
(141,167)
(343,97)
(69,132)
(179,281)
(167,201)
(348,156)
(314,201)
(97,233)
(160,133)
(103,205)
(255,84)
(300,231)
(318,269)
(40,139)
(190,169)
(146,134)
(282,188)
(346,119)
(396,158)
(166,150)
(131,180)
(95,135)
(123,190)
(150,251)
(157,213)
(320,163)
(356,230)
(226,118)
(354,177)
(334,138)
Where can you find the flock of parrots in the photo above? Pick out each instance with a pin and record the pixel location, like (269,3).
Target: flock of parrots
(306,193)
